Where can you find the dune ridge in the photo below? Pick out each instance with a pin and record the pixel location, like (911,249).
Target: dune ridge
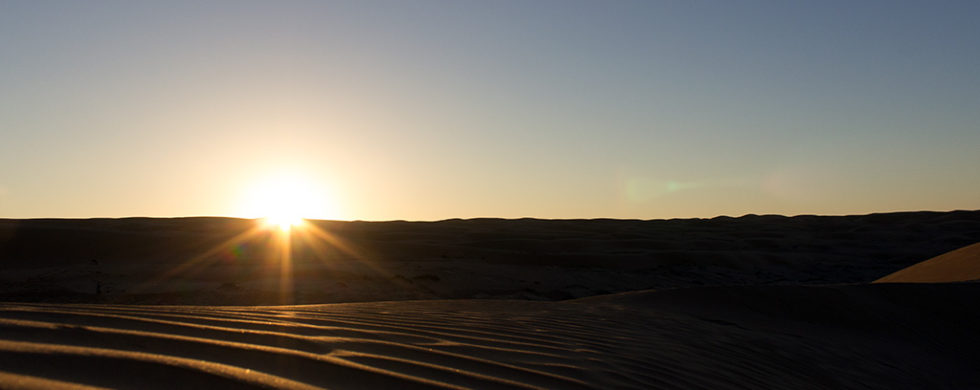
(879,336)
(961,265)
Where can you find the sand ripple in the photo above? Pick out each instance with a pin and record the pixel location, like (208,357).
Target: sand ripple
(749,337)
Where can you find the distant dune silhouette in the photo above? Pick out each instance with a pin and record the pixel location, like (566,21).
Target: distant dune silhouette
(216,261)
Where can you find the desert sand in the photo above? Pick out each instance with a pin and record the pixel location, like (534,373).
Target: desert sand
(226,261)
(752,302)
(895,336)
(961,265)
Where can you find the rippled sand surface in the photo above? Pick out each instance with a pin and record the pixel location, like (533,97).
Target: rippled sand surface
(877,336)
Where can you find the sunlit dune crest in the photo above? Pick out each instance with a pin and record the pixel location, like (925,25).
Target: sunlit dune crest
(961,265)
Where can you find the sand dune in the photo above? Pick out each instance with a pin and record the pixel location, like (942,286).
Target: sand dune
(957,266)
(878,336)
(222,261)
(721,303)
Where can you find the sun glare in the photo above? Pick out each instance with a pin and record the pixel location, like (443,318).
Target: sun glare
(284,222)
(285,200)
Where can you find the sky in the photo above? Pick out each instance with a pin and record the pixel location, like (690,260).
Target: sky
(427,110)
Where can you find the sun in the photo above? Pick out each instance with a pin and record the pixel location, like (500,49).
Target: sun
(284,222)
(285,200)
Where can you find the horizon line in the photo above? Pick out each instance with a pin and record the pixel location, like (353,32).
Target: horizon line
(505,218)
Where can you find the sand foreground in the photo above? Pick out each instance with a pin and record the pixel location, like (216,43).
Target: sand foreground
(757,302)
(859,336)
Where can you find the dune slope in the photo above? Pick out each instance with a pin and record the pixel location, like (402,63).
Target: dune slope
(879,336)
(226,261)
(960,265)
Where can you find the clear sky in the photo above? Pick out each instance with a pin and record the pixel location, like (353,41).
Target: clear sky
(427,110)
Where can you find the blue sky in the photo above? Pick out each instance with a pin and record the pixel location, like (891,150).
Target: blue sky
(438,109)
